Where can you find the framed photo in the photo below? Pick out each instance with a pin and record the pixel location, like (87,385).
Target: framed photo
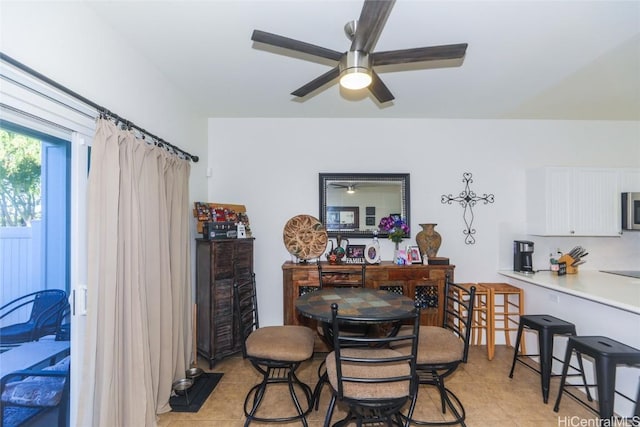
(343,217)
(413,255)
(371,220)
(370,210)
(372,254)
(355,254)
(355,251)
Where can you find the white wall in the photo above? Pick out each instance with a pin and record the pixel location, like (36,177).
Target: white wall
(272,167)
(66,42)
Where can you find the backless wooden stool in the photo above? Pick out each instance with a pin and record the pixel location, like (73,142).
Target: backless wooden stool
(607,354)
(503,313)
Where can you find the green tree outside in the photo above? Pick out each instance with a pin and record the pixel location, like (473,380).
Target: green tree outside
(20,166)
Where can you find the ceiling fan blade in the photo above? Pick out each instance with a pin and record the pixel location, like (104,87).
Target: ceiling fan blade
(287,43)
(379,89)
(373,16)
(419,54)
(317,82)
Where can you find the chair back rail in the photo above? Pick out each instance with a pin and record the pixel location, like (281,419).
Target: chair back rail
(47,311)
(344,275)
(372,379)
(458,312)
(246,308)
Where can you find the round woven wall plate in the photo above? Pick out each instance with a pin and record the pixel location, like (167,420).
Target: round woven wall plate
(305,237)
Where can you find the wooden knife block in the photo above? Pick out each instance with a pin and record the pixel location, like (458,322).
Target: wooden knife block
(568,260)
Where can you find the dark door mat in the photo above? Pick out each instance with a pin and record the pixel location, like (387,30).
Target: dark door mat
(198,393)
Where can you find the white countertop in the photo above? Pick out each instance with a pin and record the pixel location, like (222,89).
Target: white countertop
(617,291)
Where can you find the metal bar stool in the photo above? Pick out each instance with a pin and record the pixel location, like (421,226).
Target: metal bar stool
(505,311)
(547,327)
(607,354)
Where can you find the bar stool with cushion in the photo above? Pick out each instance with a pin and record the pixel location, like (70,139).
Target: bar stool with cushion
(340,276)
(547,327)
(336,276)
(371,379)
(506,305)
(441,349)
(276,352)
(607,354)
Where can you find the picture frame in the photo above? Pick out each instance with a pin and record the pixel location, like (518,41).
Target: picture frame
(355,251)
(370,220)
(386,192)
(372,253)
(370,210)
(413,255)
(343,218)
(355,254)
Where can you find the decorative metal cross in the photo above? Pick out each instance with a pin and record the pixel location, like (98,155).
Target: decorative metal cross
(467,200)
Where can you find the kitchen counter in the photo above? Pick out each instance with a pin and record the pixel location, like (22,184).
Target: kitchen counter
(617,291)
(598,304)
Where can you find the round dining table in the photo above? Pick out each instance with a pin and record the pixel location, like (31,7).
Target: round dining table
(365,303)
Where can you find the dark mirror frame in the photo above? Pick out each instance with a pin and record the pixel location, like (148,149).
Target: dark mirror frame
(358,230)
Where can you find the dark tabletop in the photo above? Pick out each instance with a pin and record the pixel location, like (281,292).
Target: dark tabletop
(358,302)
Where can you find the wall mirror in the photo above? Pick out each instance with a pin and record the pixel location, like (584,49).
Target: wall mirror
(352,204)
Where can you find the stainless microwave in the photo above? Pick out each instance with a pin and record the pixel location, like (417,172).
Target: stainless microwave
(631,211)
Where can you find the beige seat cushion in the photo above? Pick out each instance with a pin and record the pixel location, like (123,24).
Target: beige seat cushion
(369,391)
(435,345)
(288,343)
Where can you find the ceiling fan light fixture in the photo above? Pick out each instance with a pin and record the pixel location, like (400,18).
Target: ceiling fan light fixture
(354,71)
(350,189)
(355,78)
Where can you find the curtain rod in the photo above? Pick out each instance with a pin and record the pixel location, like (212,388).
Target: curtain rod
(101,110)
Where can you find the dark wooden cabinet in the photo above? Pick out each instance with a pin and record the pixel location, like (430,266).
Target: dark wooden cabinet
(218,264)
(423,283)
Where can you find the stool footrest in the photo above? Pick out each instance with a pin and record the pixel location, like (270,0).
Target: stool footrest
(536,369)
(594,386)
(579,400)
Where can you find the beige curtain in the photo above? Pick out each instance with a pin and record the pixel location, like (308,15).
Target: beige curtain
(139,282)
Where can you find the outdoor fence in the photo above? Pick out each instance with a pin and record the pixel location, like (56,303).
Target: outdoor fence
(21,264)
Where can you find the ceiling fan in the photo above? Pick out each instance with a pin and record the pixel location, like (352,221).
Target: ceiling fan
(356,66)
(351,188)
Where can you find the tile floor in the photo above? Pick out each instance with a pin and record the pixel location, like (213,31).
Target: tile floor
(490,397)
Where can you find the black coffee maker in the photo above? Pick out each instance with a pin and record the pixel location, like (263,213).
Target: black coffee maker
(523,256)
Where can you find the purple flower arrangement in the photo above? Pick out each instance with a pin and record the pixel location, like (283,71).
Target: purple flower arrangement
(395,226)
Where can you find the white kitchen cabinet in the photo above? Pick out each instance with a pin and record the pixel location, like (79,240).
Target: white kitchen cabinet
(573,201)
(630,180)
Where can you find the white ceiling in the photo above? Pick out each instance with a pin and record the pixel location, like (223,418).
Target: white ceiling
(526,59)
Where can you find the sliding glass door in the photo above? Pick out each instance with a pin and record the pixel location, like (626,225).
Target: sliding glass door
(34,212)
(42,225)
